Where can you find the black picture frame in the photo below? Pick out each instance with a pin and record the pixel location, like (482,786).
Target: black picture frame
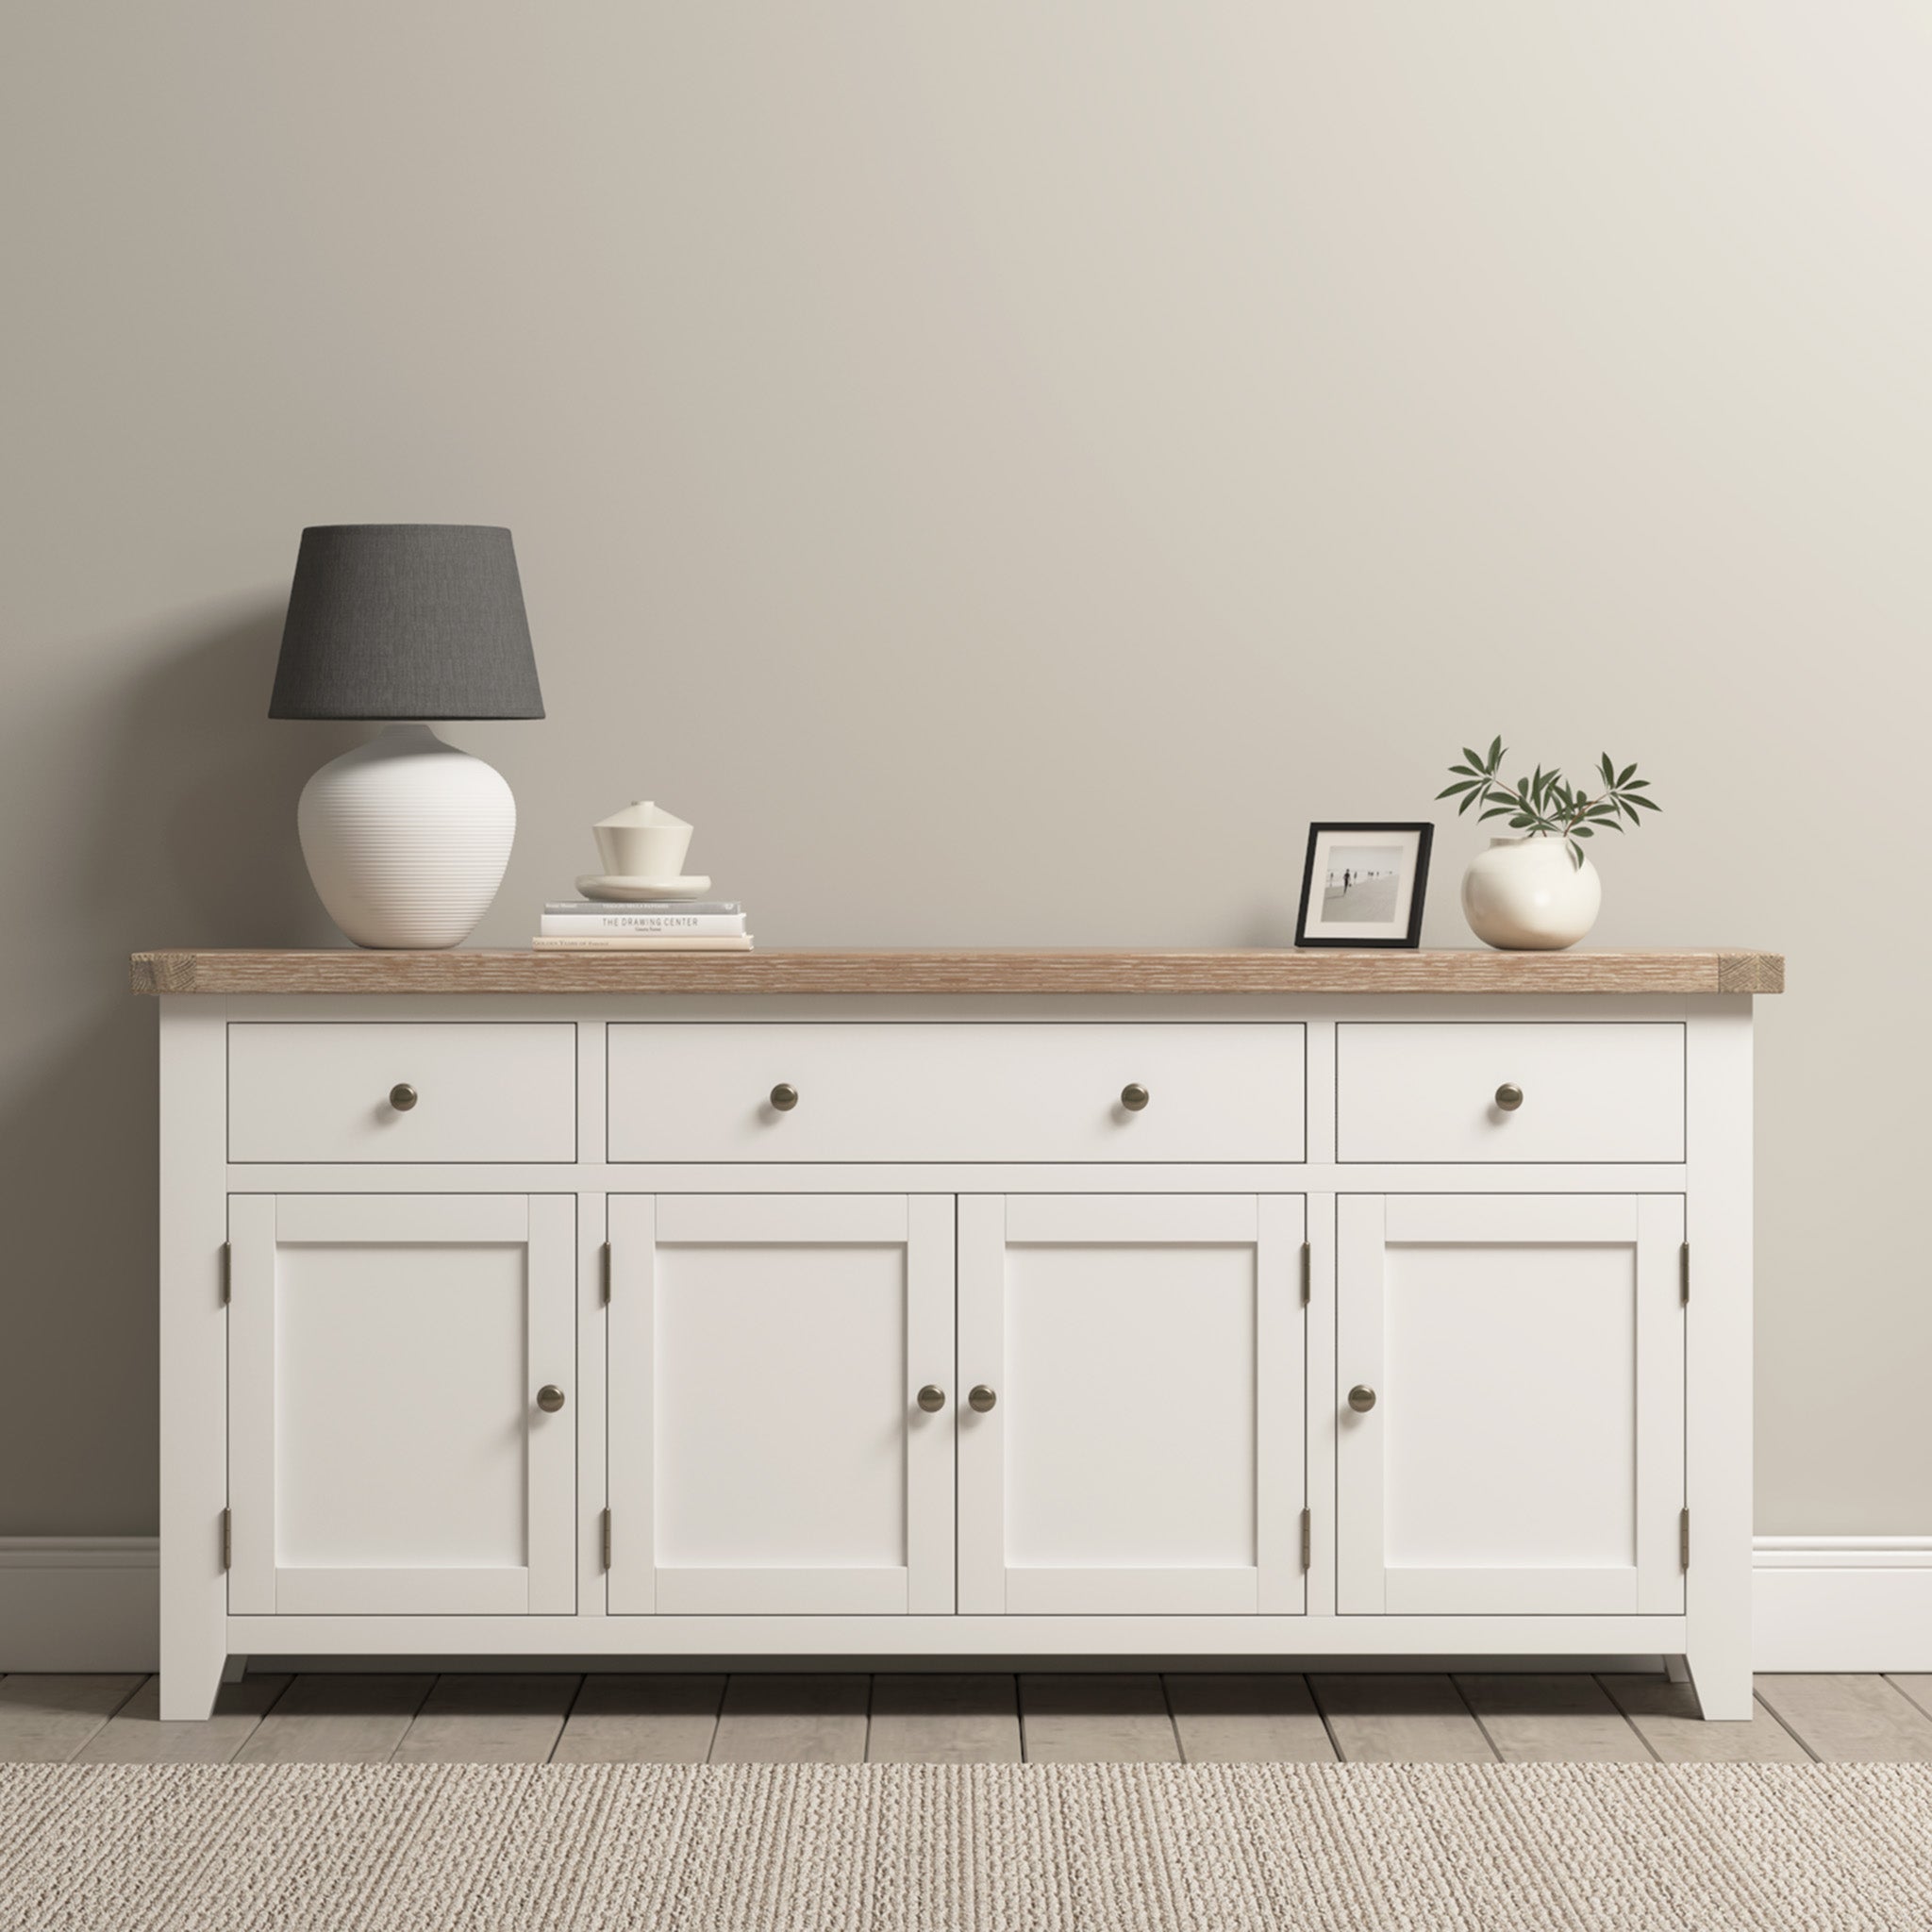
(1425,835)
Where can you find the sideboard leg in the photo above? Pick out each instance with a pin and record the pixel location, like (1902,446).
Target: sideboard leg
(193,1351)
(1721,1676)
(1678,1669)
(189,1682)
(234,1670)
(1716,1288)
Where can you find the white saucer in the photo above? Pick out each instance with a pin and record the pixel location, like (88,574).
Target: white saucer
(599,886)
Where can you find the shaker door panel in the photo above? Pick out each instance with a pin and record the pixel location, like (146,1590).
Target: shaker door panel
(768,1451)
(387,1451)
(1523,1452)
(1144,1447)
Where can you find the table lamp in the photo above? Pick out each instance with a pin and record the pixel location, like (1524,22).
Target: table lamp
(405,837)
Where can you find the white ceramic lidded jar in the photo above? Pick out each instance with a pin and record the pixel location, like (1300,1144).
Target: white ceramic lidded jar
(642,841)
(1528,895)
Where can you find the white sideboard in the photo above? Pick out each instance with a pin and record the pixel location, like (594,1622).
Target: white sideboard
(1208,1305)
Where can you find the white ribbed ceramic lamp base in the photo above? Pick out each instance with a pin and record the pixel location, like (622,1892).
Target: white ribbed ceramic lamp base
(407,839)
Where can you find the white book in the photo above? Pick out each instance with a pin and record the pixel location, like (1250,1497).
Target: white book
(619,922)
(580,909)
(643,942)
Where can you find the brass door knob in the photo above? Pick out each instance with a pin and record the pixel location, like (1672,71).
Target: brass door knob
(402,1096)
(980,1398)
(550,1398)
(783,1096)
(1508,1096)
(1361,1398)
(932,1398)
(1133,1096)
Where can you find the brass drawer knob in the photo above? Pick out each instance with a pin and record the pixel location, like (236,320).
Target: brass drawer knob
(1361,1398)
(980,1398)
(932,1398)
(402,1096)
(1508,1096)
(1133,1096)
(783,1096)
(550,1398)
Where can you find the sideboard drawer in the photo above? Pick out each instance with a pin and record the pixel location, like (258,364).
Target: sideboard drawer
(1589,1090)
(887,1090)
(315,1090)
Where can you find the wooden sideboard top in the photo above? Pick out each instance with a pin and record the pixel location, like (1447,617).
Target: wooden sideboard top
(962,969)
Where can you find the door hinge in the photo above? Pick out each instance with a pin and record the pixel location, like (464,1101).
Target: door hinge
(228,1538)
(1307,1272)
(1684,1539)
(604,1276)
(606,1538)
(1684,1274)
(1308,1538)
(228,1271)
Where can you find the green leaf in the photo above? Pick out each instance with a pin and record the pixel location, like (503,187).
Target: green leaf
(1465,770)
(1472,798)
(1648,804)
(1575,855)
(1450,790)
(1475,757)
(1495,812)
(1635,785)
(1523,822)
(1608,770)
(1628,770)
(1631,809)
(1581,832)
(1495,753)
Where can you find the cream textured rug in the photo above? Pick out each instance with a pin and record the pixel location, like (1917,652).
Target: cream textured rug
(1060,1848)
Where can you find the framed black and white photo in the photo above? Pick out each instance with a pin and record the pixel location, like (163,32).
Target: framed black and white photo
(1363,885)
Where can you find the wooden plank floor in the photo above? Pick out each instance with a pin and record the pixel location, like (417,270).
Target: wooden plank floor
(960,1717)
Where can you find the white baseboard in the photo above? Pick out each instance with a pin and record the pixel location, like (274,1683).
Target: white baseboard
(79,1603)
(1841,1603)
(1819,1603)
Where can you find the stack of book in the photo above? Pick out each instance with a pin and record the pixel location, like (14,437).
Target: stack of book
(649,925)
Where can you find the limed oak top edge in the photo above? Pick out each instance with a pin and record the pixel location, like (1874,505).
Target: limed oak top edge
(1259,970)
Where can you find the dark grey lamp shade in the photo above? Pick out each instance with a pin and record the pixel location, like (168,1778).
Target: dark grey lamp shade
(406,621)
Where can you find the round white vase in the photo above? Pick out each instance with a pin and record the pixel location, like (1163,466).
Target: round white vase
(407,839)
(1526,895)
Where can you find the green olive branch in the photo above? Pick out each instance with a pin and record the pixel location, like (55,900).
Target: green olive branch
(1545,802)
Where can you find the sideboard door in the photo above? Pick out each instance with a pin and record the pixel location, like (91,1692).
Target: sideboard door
(388,1452)
(1524,1449)
(1144,1448)
(769,1450)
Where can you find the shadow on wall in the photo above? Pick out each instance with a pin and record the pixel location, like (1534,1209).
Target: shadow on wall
(180,831)
(199,753)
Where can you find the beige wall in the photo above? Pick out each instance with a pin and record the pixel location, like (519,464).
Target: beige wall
(1001,470)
